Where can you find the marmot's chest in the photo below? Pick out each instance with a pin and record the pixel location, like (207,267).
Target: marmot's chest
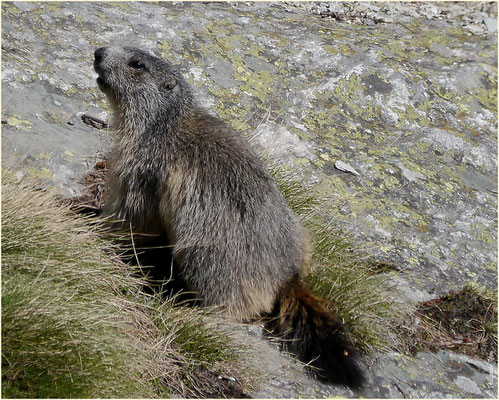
(138,180)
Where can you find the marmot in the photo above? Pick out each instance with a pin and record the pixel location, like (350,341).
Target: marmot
(178,172)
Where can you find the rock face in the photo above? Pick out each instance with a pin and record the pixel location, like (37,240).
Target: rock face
(410,106)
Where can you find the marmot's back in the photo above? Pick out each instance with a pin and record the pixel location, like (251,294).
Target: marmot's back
(179,172)
(225,210)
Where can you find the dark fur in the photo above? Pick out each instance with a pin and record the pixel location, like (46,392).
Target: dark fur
(179,173)
(309,330)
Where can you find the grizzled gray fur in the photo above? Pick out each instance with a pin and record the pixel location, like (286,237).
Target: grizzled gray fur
(178,171)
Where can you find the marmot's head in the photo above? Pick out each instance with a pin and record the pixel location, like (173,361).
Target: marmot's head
(137,82)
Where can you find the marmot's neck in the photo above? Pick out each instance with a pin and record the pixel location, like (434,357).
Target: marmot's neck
(160,119)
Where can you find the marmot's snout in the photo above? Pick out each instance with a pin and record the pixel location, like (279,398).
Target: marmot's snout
(98,56)
(98,59)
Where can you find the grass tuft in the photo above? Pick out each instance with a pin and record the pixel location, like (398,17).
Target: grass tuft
(342,274)
(75,322)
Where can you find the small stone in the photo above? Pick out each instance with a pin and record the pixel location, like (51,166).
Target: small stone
(429,11)
(491,24)
(345,167)
(477,17)
(23,5)
(361,8)
(336,8)
(432,9)
(474,29)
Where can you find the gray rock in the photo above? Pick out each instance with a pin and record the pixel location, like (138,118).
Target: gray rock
(474,29)
(491,24)
(24,5)
(414,104)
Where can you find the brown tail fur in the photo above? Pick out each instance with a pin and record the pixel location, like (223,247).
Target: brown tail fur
(310,331)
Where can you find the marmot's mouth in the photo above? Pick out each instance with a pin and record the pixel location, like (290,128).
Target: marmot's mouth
(102,84)
(100,80)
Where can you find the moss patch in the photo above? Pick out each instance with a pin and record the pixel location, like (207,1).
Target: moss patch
(464,321)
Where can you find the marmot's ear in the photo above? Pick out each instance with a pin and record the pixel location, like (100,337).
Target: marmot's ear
(169,83)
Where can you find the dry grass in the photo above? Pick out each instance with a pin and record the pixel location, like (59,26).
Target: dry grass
(75,322)
(464,321)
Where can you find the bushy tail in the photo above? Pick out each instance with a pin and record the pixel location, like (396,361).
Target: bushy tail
(310,331)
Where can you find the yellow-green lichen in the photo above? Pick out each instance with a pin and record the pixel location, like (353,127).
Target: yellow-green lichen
(44,156)
(40,173)
(68,156)
(11,8)
(16,121)
(51,118)
(482,232)
(164,48)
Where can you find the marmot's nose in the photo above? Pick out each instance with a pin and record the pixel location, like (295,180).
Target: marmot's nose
(98,54)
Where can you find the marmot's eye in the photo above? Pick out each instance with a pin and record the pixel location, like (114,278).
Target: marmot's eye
(137,65)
